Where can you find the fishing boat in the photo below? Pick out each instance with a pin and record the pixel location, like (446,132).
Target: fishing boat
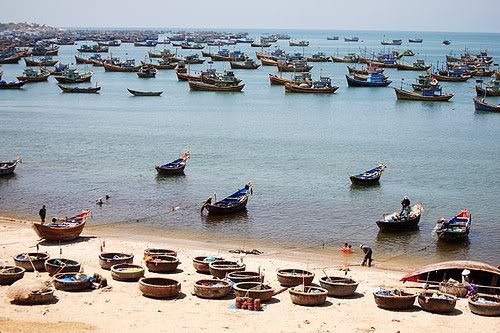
(218,86)
(351,39)
(248,64)
(372,80)
(323,86)
(147,43)
(73,76)
(7,168)
(418,65)
(63,229)
(147,71)
(348,58)
(415,40)
(481,105)
(318,57)
(455,229)
(188,77)
(79,90)
(261,44)
(245,40)
(446,42)
(92,49)
(10,59)
(45,51)
(491,90)
(294,66)
(11,85)
(211,76)
(174,168)
(193,59)
(433,92)
(59,69)
(332,38)
(408,220)
(364,71)
(41,62)
(188,46)
(234,203)
(225,55)
(451,75)
(369,177)
(392,42)
(144,93)
(162,54)
(82,60)
(274,55)
(30,75)
(165,63)
(298,78)
(114,42)
(126,66)
(302,43)
(483,275)
(268,62)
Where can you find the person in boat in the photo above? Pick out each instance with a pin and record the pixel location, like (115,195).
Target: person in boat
(107,197)
(42,213)
(368,255)
(405,206)
(99,202)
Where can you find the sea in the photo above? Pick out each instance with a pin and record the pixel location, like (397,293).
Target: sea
(297,150)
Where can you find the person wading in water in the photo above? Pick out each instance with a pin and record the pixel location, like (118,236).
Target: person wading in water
(368,255)
(42,213)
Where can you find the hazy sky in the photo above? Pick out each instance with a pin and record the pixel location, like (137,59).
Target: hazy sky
(423,15)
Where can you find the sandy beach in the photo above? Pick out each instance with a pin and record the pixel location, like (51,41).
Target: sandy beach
(124,309)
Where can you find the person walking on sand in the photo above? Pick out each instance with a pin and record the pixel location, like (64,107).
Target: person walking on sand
(42,213)
(368,255)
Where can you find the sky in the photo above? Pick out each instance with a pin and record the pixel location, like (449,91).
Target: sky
(394,15)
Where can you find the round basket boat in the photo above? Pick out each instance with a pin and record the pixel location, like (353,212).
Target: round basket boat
(108,259)
(10,274)
(37,297)
(127,272)
(455,289)
(294,277)
(237,277)
(160,252)
(159,287)
(485,305)
(59,265)
(221,268)
(255,290)
(308,295)
(212,288)
(72,281)
(436,303)
(201,266)
(30,260)
(338,286)
(162,264)
(394,302)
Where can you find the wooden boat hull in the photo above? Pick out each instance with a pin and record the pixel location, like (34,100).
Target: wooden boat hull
(454,236)
(218,210)
(114,68)
(483,106)
(188,77)
(63,79)
(365,181)
(201,86)
(404,225)
(408,95)
(481,92)
(144,93)
(491,310)
(78,90)
(289,68)
(10,60)
(268,62)
(235,65)
(170,171)
(172,65)
(7,168)
(352,82)
(403,67)
(276,80)
(40,78)
(402,302)
(344,60)
(30,63)
(436,304)
(319,59)
(58,234)
(146,75)
(216,57)
(12,85)
(289,87)
(445,78)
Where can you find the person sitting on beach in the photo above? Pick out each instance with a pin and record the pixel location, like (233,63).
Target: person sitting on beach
(368,255)
(405,203)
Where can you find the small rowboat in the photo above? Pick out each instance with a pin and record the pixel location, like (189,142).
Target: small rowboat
(457,228)
(394,300)
(308,295)
(396,222)
(255,290)
(338,286)
(174,168)
(212,289)
(7,168)
(231,204)
(65,229)
(294,277)
(221,268)
(79,90)
(437,303)
(485,305)
(481,105)
(159,287)
(72,281)
(144,93)
(369,177)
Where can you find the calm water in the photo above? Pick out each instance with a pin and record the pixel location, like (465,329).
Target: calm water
(298,150)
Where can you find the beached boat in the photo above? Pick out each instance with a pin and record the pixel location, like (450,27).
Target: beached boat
(10,274)
(338,286)
(308,295)
(485,305)
(161,263)
(432,93)
(201,263)
(221,268)
(372,80)
(231,204)
(11,85)
(369,177)
(92,49)
(174,168)
(144,93)
(323,86)
(45,61)
(73,76)
(127,272)
(109,259)
(30,75)
(127,66)
(147,71)
(218,86)
(293,277)
(483,275)
(436,302)
(248,64)
(31,261)
(408,220)
(79,90)
(419,65)
(455,229)
(8,168)
(64,229)
(255,290)
(481,105)
(157,287)
(394,299)
(212,289)
(491,90)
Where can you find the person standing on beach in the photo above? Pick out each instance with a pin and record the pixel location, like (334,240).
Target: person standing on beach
(368,255)
(42,213)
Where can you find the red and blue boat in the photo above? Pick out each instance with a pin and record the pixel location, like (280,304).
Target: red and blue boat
(455,229)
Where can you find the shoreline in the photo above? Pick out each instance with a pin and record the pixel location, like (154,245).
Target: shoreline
(124,308)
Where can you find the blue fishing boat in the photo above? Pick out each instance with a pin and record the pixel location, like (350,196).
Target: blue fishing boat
(369,177)
(174,168)
(481,105)
(234,203)
(457,228)
(371,80)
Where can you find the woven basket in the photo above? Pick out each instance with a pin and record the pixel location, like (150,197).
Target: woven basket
(10,274)
(37,258)
(221,268)
(338,286)
(108,259)
(308,296)
(255,290)
(395,302)
(61,284)
(119,272)
(159,287)
(162,264)
(160,252)
(244,276)
(58,265)
(201,266)
(294,277)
